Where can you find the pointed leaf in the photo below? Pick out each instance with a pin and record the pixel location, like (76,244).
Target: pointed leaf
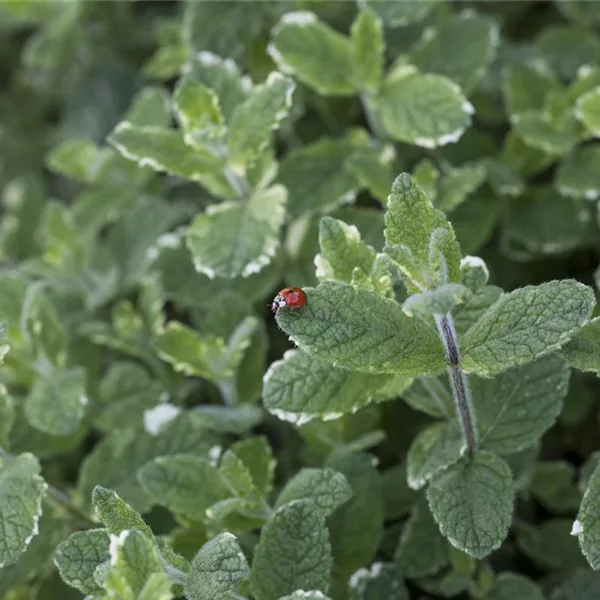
(293,552)
(368,45)
(217,569)
(116,514)
(360,330)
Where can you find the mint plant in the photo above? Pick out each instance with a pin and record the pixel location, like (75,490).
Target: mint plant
(425,424)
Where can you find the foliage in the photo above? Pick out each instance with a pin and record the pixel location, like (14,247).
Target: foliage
(425,425)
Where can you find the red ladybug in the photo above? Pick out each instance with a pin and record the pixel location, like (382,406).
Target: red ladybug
(293,297)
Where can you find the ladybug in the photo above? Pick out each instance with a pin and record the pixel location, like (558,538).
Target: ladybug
(293,297)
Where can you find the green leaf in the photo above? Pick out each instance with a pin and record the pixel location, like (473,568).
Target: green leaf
(57,403)
(217,569)
(21,493)
(327,488)
(150,106)
(373,168)
(422,550)
(377,336)
(253,120)
(472,503)
(437,302)
(185,484)
(198,111)
(462,49)
(550,545)
(430,395)
(587,526)
(577,174)
(583,584)
(399,14)
(583,351)
(257,456)
(304,595)
(293,552)
(526,85)
(78,159)
(540,131)
(588,111)
(553,485)
(542,222)
(314,53)
(134,558)
(357,526)
(508,586)
(458,184)
(300,388)
(238,478)
(434,448)
(318,175)
(7,416)
(411,223)
(381,582)
(341,251)
(516,407)
(157,587)
(444,113)
(114,462)
(234,238)
(116,514)
(526,324)
(223,76)
(368,45)
(78,557)
(163,150)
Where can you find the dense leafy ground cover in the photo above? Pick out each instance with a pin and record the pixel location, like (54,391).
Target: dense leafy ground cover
(425,426)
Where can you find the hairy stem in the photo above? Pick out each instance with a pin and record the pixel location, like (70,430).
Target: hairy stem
(459,382)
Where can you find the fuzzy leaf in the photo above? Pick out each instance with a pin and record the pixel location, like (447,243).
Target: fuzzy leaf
(315,53)
(444,113)
(293,552)
(525,86)
(472,502)
(254,119)
(217,569)
(368,44)
(516,407)
(116,514)
(56,404)
(234,238)
(541,131)
(435,448)
(185,484)
(583,351)
(134,558)
(327,488)
(411,223)
(587,526)
(526,324)
(7,416)
(78,557)
(21,493)
(360,330)
(300,388)
(462,49)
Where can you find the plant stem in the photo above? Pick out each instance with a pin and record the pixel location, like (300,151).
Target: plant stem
(459,382)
